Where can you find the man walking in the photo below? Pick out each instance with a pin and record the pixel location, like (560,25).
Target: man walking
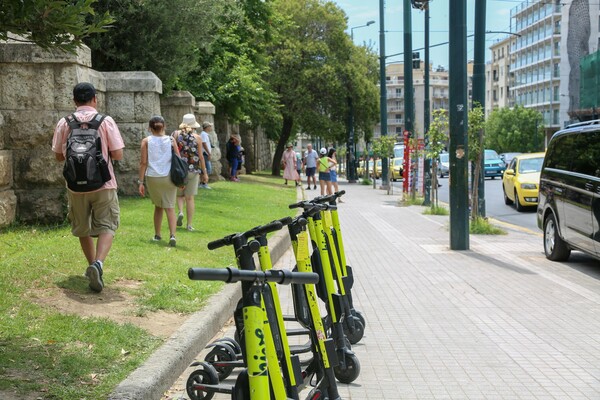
(94,213)
(206,150)
(310,164)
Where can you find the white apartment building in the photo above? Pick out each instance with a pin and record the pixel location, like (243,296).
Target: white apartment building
(438,95)
(553,36)
(498,76)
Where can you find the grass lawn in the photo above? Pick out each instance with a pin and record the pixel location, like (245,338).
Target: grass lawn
(47,352)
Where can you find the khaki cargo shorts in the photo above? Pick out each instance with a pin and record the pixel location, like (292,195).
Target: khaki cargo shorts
(93,213)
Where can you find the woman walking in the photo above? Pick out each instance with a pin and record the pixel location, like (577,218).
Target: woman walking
(155,166)
(233,154)
(333,172)
(324,166)
(189,144)
(289,165)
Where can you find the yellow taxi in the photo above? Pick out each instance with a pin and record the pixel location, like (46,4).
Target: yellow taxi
(397,168)
(520,182)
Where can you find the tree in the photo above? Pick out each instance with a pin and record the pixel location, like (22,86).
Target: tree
(475,131)
(315,68)
(52,24)
(231,70)
(438,137)
(383,147)
(164,37)
(518,129)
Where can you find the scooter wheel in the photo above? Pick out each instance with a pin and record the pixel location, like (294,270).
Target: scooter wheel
(236,347)
(359,332)
(360,317)
(350,372)
(221,352)
(202,376)
(241,389)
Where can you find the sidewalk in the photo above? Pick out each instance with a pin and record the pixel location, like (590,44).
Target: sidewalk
(498,321)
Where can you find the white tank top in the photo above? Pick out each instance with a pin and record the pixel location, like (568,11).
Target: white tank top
(159,156)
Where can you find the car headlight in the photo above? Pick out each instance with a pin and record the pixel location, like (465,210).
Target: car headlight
(528,186)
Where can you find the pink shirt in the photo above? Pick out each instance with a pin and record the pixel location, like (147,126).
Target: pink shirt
(109,133)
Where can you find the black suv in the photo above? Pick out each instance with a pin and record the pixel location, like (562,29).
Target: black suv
(569,201)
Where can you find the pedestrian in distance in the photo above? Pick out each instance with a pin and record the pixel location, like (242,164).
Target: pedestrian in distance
(155,168)
(310,166)
(288,161)
(207,128)
(325,164)
(333,172)
(234,155)
(93,210)
(299,165)
(190,147)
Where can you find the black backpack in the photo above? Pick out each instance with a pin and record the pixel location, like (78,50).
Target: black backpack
(85,168)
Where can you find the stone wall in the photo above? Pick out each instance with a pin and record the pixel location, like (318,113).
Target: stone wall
(36,91)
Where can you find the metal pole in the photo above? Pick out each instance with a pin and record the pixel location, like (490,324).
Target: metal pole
(409,108)
(479,90)
(459,197)
(426,113)
(382,87)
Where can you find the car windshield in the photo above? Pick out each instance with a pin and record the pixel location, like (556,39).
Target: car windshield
(398,161)
(444,157)
(491,155)
(529,165)
(398,151)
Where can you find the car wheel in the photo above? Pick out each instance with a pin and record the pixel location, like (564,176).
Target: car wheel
(555,248)
(520,207)
(507,201)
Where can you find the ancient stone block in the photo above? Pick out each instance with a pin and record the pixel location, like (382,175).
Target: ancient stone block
(120,106)
(147,104)
(25,129)
(42,206)
(36,168)
(8,207)
(6,168)
(26,86)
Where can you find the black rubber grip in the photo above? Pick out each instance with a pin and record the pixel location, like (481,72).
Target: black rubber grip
(231,275)
(340,193)
(299,204)
(264,229)
(226,241)
(286,220)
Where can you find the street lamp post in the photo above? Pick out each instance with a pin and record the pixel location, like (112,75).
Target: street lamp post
(351,145)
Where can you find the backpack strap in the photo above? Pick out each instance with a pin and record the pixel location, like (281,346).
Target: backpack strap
(94,123)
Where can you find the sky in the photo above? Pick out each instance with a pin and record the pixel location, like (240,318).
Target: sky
(359,12)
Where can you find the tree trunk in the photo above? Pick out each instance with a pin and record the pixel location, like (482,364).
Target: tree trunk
(286,132)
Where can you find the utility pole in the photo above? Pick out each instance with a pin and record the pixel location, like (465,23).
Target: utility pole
(479,91)
(409,108)
(382,87)
(459,197)
(426,113)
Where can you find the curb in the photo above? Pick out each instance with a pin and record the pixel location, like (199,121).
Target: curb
(152,379)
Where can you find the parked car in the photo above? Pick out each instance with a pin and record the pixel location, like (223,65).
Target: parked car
(377,172)
(493,164)
(443,165)
(568,211)
(360,169)
(508,157)
(397,168)
(521,179)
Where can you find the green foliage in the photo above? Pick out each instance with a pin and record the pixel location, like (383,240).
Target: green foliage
(438,132)
(232,69)
(436,210)
(53,354)
(366,181)
(518,129)
(383,146)
(412,201)
(481,226)
(475,129)
(164,37)
(315,70)
(52,24)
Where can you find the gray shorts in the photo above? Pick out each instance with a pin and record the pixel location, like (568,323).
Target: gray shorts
(311,171)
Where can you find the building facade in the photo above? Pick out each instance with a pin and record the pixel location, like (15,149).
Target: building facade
(553,37)
(498,76)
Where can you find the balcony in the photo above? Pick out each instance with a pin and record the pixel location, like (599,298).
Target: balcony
(395,122)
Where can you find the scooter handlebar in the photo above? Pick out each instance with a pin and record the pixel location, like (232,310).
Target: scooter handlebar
(264,229)
(232,275)
(226,241)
